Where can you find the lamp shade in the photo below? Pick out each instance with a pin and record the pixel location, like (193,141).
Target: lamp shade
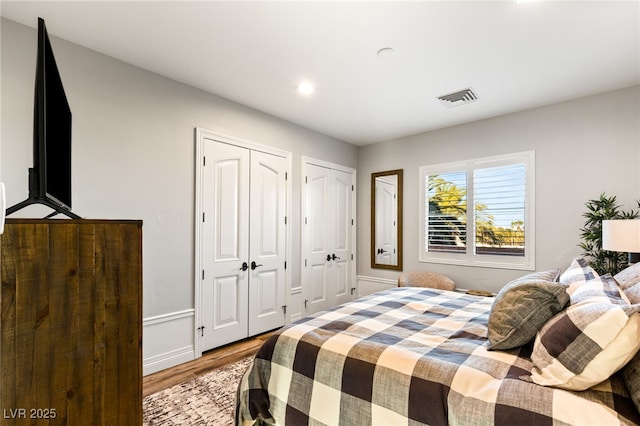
(621,235)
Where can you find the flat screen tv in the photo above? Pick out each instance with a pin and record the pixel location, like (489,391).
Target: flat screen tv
(50,177)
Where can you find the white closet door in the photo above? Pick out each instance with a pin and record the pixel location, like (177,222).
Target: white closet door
(267,248)
(327,237)
(225,244)
(317,237)
(341,236)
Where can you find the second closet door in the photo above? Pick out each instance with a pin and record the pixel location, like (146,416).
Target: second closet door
(327,237)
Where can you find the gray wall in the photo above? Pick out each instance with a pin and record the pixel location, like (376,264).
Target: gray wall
(134,152)
(134,155)
(583,147)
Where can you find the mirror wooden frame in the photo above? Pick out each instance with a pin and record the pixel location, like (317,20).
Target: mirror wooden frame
(398,265)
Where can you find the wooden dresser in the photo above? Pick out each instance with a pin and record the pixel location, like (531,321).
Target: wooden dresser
(71,322)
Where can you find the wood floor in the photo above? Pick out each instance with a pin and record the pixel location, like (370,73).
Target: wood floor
(210,360)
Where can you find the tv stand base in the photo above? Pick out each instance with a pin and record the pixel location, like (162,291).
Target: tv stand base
(56,208)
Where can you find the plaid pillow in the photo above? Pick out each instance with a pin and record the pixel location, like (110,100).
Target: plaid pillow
(589,341)
(603,290)
(578,272)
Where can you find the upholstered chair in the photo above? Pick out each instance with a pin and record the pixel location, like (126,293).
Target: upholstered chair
(425,279)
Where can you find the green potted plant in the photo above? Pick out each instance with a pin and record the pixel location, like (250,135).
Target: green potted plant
(603,208)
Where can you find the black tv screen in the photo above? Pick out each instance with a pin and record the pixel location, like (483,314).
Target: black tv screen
(52,127)
(50,176)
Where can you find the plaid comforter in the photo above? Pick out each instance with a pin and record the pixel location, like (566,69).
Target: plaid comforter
(410,356)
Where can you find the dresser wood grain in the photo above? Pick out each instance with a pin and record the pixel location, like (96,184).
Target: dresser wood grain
(71,322)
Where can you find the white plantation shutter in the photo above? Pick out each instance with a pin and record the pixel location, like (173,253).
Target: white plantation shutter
(479,212)
(447,213)
(499,197)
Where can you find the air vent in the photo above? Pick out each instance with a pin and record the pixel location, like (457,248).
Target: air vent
(461,97)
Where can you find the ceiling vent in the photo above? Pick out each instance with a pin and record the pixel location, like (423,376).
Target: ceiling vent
(461,97)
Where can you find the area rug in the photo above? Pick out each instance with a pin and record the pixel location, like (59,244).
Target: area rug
(205,400)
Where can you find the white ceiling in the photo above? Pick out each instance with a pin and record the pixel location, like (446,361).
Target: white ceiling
(515,55)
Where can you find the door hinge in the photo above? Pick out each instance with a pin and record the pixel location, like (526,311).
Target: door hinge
(201,330)
(204,161)
(306,302)
(285,264)
(353,188)
(203,274)
(285,220)
(286,176)
(351,256)
(305,263)
(351,222)
(284,309)
(203,216)
(306,179)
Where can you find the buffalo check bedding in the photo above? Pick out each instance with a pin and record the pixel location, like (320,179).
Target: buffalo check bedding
(410,356)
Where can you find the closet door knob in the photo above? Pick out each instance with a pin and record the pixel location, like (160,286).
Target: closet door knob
(254,266)
(334,257)
(328,258)
(244,267)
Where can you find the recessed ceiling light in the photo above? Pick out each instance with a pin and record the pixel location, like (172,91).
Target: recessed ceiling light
(385,53)
(306,88)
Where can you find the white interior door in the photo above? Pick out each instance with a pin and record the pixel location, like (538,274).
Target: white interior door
(328,236)
(225,244)
(267,248)
(317,237)
(243,243)
(341,262)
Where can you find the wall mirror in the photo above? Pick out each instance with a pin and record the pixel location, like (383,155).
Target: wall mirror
(386,220)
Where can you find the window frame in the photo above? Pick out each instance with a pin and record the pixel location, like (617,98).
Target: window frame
(468,257)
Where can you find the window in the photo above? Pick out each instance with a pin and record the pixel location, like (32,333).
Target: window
(479,212)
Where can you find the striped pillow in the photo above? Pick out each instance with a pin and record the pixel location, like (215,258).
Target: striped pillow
(629,277)
(631,371)
(633,293)
(589,341)
(631,377)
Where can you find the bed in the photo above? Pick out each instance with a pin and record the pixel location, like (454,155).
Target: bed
(409,356)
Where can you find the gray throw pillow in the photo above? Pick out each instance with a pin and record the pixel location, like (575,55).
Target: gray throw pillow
(522,307)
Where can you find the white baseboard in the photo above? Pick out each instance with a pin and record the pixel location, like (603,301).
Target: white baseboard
(167,360)
(368,285)
(168,340)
